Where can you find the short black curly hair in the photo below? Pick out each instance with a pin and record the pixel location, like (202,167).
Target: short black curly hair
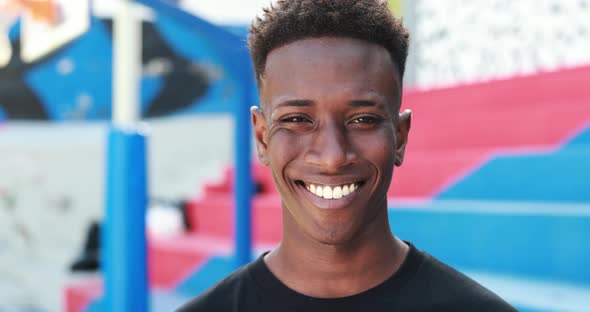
(290,20)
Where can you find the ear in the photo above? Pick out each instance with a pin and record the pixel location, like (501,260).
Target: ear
(259,125)
(403,129)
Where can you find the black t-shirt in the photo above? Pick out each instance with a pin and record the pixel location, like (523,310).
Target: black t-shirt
(421,284)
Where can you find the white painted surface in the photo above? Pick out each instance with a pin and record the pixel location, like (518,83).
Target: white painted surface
(51,188)
(475,40)
(226,11)
(39,39)
(126,65)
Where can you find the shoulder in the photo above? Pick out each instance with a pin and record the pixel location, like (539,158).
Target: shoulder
(453,290)
(220,296)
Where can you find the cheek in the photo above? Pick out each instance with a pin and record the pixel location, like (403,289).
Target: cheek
(283,150)
(284,146)
(377,148)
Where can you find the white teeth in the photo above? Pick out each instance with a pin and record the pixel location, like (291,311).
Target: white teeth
(318,191)
(337,192)
(329,192)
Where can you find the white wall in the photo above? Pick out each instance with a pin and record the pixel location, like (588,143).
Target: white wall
(471,40)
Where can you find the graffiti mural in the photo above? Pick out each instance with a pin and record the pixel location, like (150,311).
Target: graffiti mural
(72,80)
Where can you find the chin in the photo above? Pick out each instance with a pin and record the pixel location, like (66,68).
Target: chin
(334,237)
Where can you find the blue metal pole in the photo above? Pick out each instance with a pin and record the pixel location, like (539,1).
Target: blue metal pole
(124,240)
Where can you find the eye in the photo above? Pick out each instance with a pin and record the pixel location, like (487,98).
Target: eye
(295,119)
(366,120)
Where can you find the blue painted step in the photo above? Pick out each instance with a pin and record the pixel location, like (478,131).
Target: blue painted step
(537,240)
(562,176)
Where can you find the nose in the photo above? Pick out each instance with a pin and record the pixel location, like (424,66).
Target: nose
(330,149)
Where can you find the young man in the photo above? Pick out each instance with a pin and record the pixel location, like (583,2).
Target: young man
(330,81)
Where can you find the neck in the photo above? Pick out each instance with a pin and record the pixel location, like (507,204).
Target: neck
(322,270)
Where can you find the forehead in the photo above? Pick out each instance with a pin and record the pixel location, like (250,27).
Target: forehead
(329,67)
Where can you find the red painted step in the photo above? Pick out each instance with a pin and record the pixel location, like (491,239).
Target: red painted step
(213,214)
(260,174)
(78,295)
(424,174)
(533,110)
(456,129)
(172,259)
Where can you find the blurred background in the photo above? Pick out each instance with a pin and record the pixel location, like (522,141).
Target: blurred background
(496,180)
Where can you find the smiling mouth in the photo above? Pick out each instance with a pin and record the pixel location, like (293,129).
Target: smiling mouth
(331,191)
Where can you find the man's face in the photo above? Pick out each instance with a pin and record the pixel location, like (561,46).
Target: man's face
(330,133)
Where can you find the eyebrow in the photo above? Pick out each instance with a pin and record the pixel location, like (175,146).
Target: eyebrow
(306,103)
(362,103)
(295,103)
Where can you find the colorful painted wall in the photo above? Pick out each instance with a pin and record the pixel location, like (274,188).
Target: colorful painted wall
(179,75)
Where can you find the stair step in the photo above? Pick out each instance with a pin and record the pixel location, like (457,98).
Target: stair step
(260,174)
(555,177)
(79,294)
(535,239)
(214,215)
(172,259)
